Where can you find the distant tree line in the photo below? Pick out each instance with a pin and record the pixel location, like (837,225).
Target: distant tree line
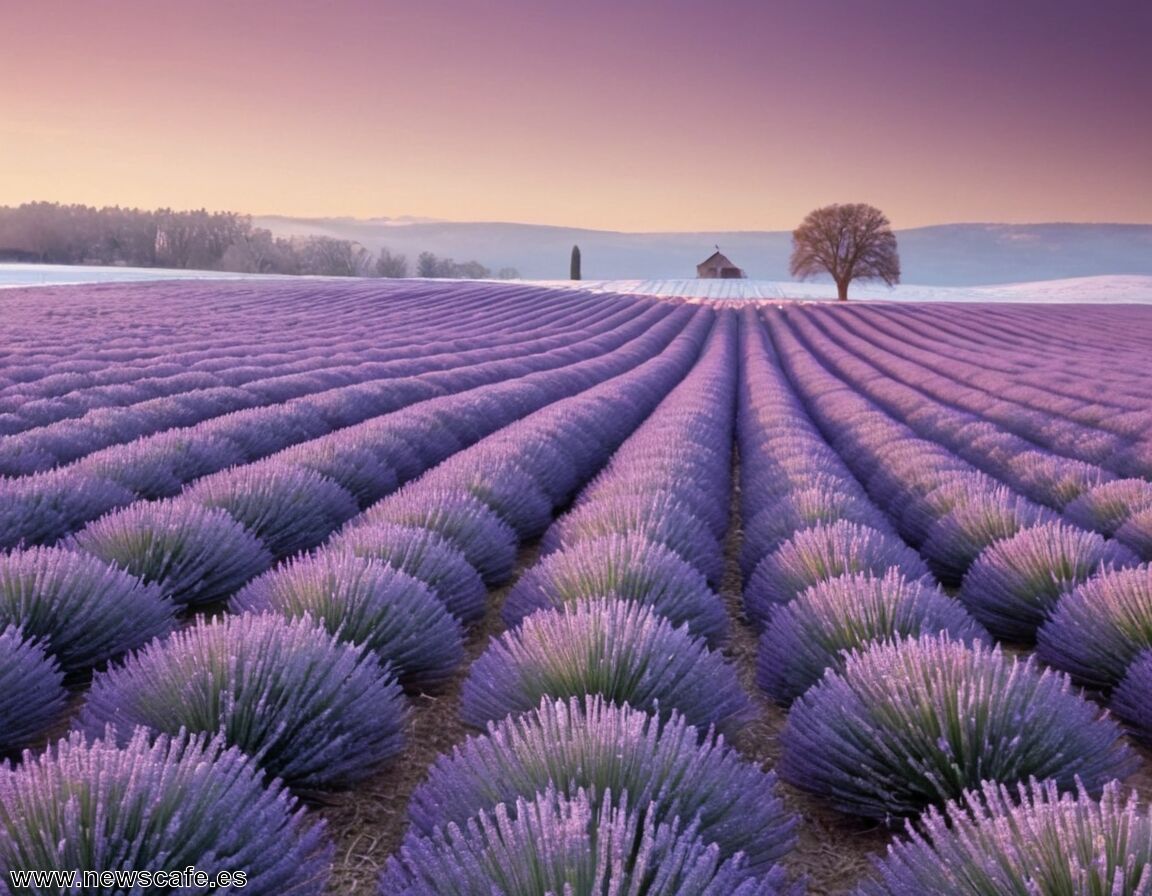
(50,233)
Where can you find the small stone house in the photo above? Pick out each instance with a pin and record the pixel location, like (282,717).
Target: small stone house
(717,267)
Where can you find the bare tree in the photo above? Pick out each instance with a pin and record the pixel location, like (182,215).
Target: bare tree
(850,242)
(390,265)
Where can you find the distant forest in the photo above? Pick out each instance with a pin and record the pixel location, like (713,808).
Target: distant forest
(50,233)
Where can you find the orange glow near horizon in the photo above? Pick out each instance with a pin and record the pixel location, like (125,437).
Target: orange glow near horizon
(672,115)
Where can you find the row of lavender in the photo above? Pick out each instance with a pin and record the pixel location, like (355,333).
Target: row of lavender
(313,710)
(595,767)
(43,508)
(900,704)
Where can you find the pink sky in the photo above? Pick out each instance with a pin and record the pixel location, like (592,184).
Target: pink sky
(627,115)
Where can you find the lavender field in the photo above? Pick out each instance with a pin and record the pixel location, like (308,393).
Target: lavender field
(472,588)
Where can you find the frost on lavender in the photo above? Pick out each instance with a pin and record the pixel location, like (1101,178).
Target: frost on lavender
(426,556)
(1016,581)
(32,695)
(628,567)
(83,610)
(623,651)
(162,806)
(365,602)
(816,631)
(1033,838)
(915,723)
(552,844)
(1096,631)
(824,552)
(194,554)
(586,743)
(312,710)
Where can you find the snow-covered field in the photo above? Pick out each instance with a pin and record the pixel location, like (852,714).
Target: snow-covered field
(1111,288)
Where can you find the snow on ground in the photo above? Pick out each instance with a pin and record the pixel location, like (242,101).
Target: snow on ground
(1111,288)
(15,274)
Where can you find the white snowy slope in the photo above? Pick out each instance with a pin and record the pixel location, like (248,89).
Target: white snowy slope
(19,274)
(1110,288)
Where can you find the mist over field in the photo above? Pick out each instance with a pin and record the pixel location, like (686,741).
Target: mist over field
(944,255)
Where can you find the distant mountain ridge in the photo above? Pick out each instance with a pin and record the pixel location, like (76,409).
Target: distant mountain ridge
(945,255)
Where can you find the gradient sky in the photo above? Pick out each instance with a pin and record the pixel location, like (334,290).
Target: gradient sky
(615,114)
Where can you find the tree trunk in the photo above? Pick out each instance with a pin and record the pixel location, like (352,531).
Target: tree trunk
(842,290)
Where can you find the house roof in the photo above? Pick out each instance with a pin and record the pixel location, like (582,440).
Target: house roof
(716,259)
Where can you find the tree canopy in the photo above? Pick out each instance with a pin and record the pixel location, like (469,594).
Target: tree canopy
(850,242)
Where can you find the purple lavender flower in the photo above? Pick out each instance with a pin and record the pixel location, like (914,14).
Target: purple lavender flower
(915,723)
(621,650)
(312,710)
(1132,699)
(1096,631)
(1016,581)
(84,610)
(814,632)
(1107,507)
(628,567)
(158,806)
(487,542)
(194,554)
(288,507)
(824,552)
(1137,533)
(355,468)
(586,743)
(32,695)
(364,601)
(955,541)
(426,556)
(510,491)
(662,518)
(557,844)
(1034,838)
(44,508)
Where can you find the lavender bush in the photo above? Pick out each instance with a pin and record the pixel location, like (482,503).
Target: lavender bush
(553,844)
(1096,631)
(83,610)
(1030,839)
(816,631)
(1107,507)
(312,710)
(425,556)
(662,518)
(1137,533)
(463,520)
(627,567)
(194,554)
(162,806)
(288,507)
(32,695)
(915,723)
(825,552)
(620,650)
(586,743)
(365,602)
(1132,698)
(1016,581)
